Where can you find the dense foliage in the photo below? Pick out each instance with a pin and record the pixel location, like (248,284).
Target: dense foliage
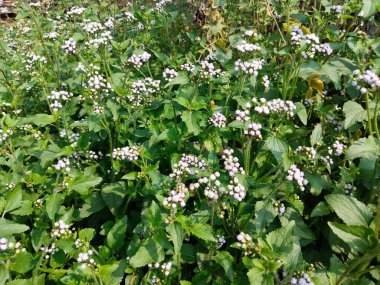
(190,142)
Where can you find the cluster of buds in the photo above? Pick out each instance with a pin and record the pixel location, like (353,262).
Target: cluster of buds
(218,120)
(129,16)
(279,207)
(86,259)
(220,241)
(143,90)
(9,247)
(242,115)
(93,27)
(32,60)
(75,11)
(301,278)
(169,74)
(101,40)
(62,164)
(208,70)
(337,148)
(164,267)
(274,106)
(349,189)
(294,173)
(246,244)
(247,47)
(138,60)
(308,150)
(249,67)
(98,84)
(311,42)
(50,250)
(236,190)
(189,67)
(188,165)
(70,46)
(5,134)
(253,130)
(266,82)
(337,9)
(231,163)
(126,153)
(57,97)
(366,81)
(213,187)
(61,230)
(327,159)
(176,197)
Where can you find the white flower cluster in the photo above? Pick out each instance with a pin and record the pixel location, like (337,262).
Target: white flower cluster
(160,5)
(49,251)
(249,67)
(8,246)
(51,36)
(279,207)
(188,165)
(218,120)
(138,60)
(366,81)
(57,97)
(337,148)
(32,59)
(244,47)
(94,155)
(213,187)
(236,190)
(98,84)
(61,230)
(220,240)
(75,11)
(250,33)
(126,153)
(337,9)
(86,259)
(245,243)
(189,67)
(93,27)
(142,91)
(169,74)
(266,81)
(208,70)
(349,189)
(110,23)
(5,134)
(294,173)
(304,280)
(70,46)
(176,197)
(231,163)
(327,160)
(274,106)
(308,150)
(103,39)
(164,267)
(253,130)
(97,109)
(242,115)
(62,164)
(129,16)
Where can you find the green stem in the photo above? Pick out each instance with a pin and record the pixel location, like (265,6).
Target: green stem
(247,157)
(375,117)
(368,114)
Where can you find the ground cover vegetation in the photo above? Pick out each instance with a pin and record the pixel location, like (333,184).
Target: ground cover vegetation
(190,142)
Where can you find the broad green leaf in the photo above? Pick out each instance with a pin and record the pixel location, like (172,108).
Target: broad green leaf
(369,8)
(301,112)
(181,79)
(176,235)
(8,228)
(276,146)
(87,234)
(349,209)
(14,199)
(224,259)
(53,202)
(112,274)
(281,240)
(113,195)
(203,231)
(354,113)
(150,251)
(23,262)
(255,276)
(40,120)
(322,209)
(364,147)
(355,236)
(317,182)
(116,236)
(316,135)
(264,214)
(191,121)
(81,184)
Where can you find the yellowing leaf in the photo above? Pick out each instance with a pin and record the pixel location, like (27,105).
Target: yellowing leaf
(315,83)
(305,30)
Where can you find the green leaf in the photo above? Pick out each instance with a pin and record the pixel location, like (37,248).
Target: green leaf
(113,195)
(191,121)
(354,113)
(369,8)
(301,112)
(177,235)
(364,147)
(349,209)
(224,259)
(87,234)
(354,236)
(116,236)
(255,276)
(203,231)
(81,184)
(316,135)
(276,146)
(317,182)
(281,240)
(53,202)
(14,199)
(40,120)
(320,210)
(23,262)
(181,79)
(112,274)
(150,251)
(8,228)
(264,214)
